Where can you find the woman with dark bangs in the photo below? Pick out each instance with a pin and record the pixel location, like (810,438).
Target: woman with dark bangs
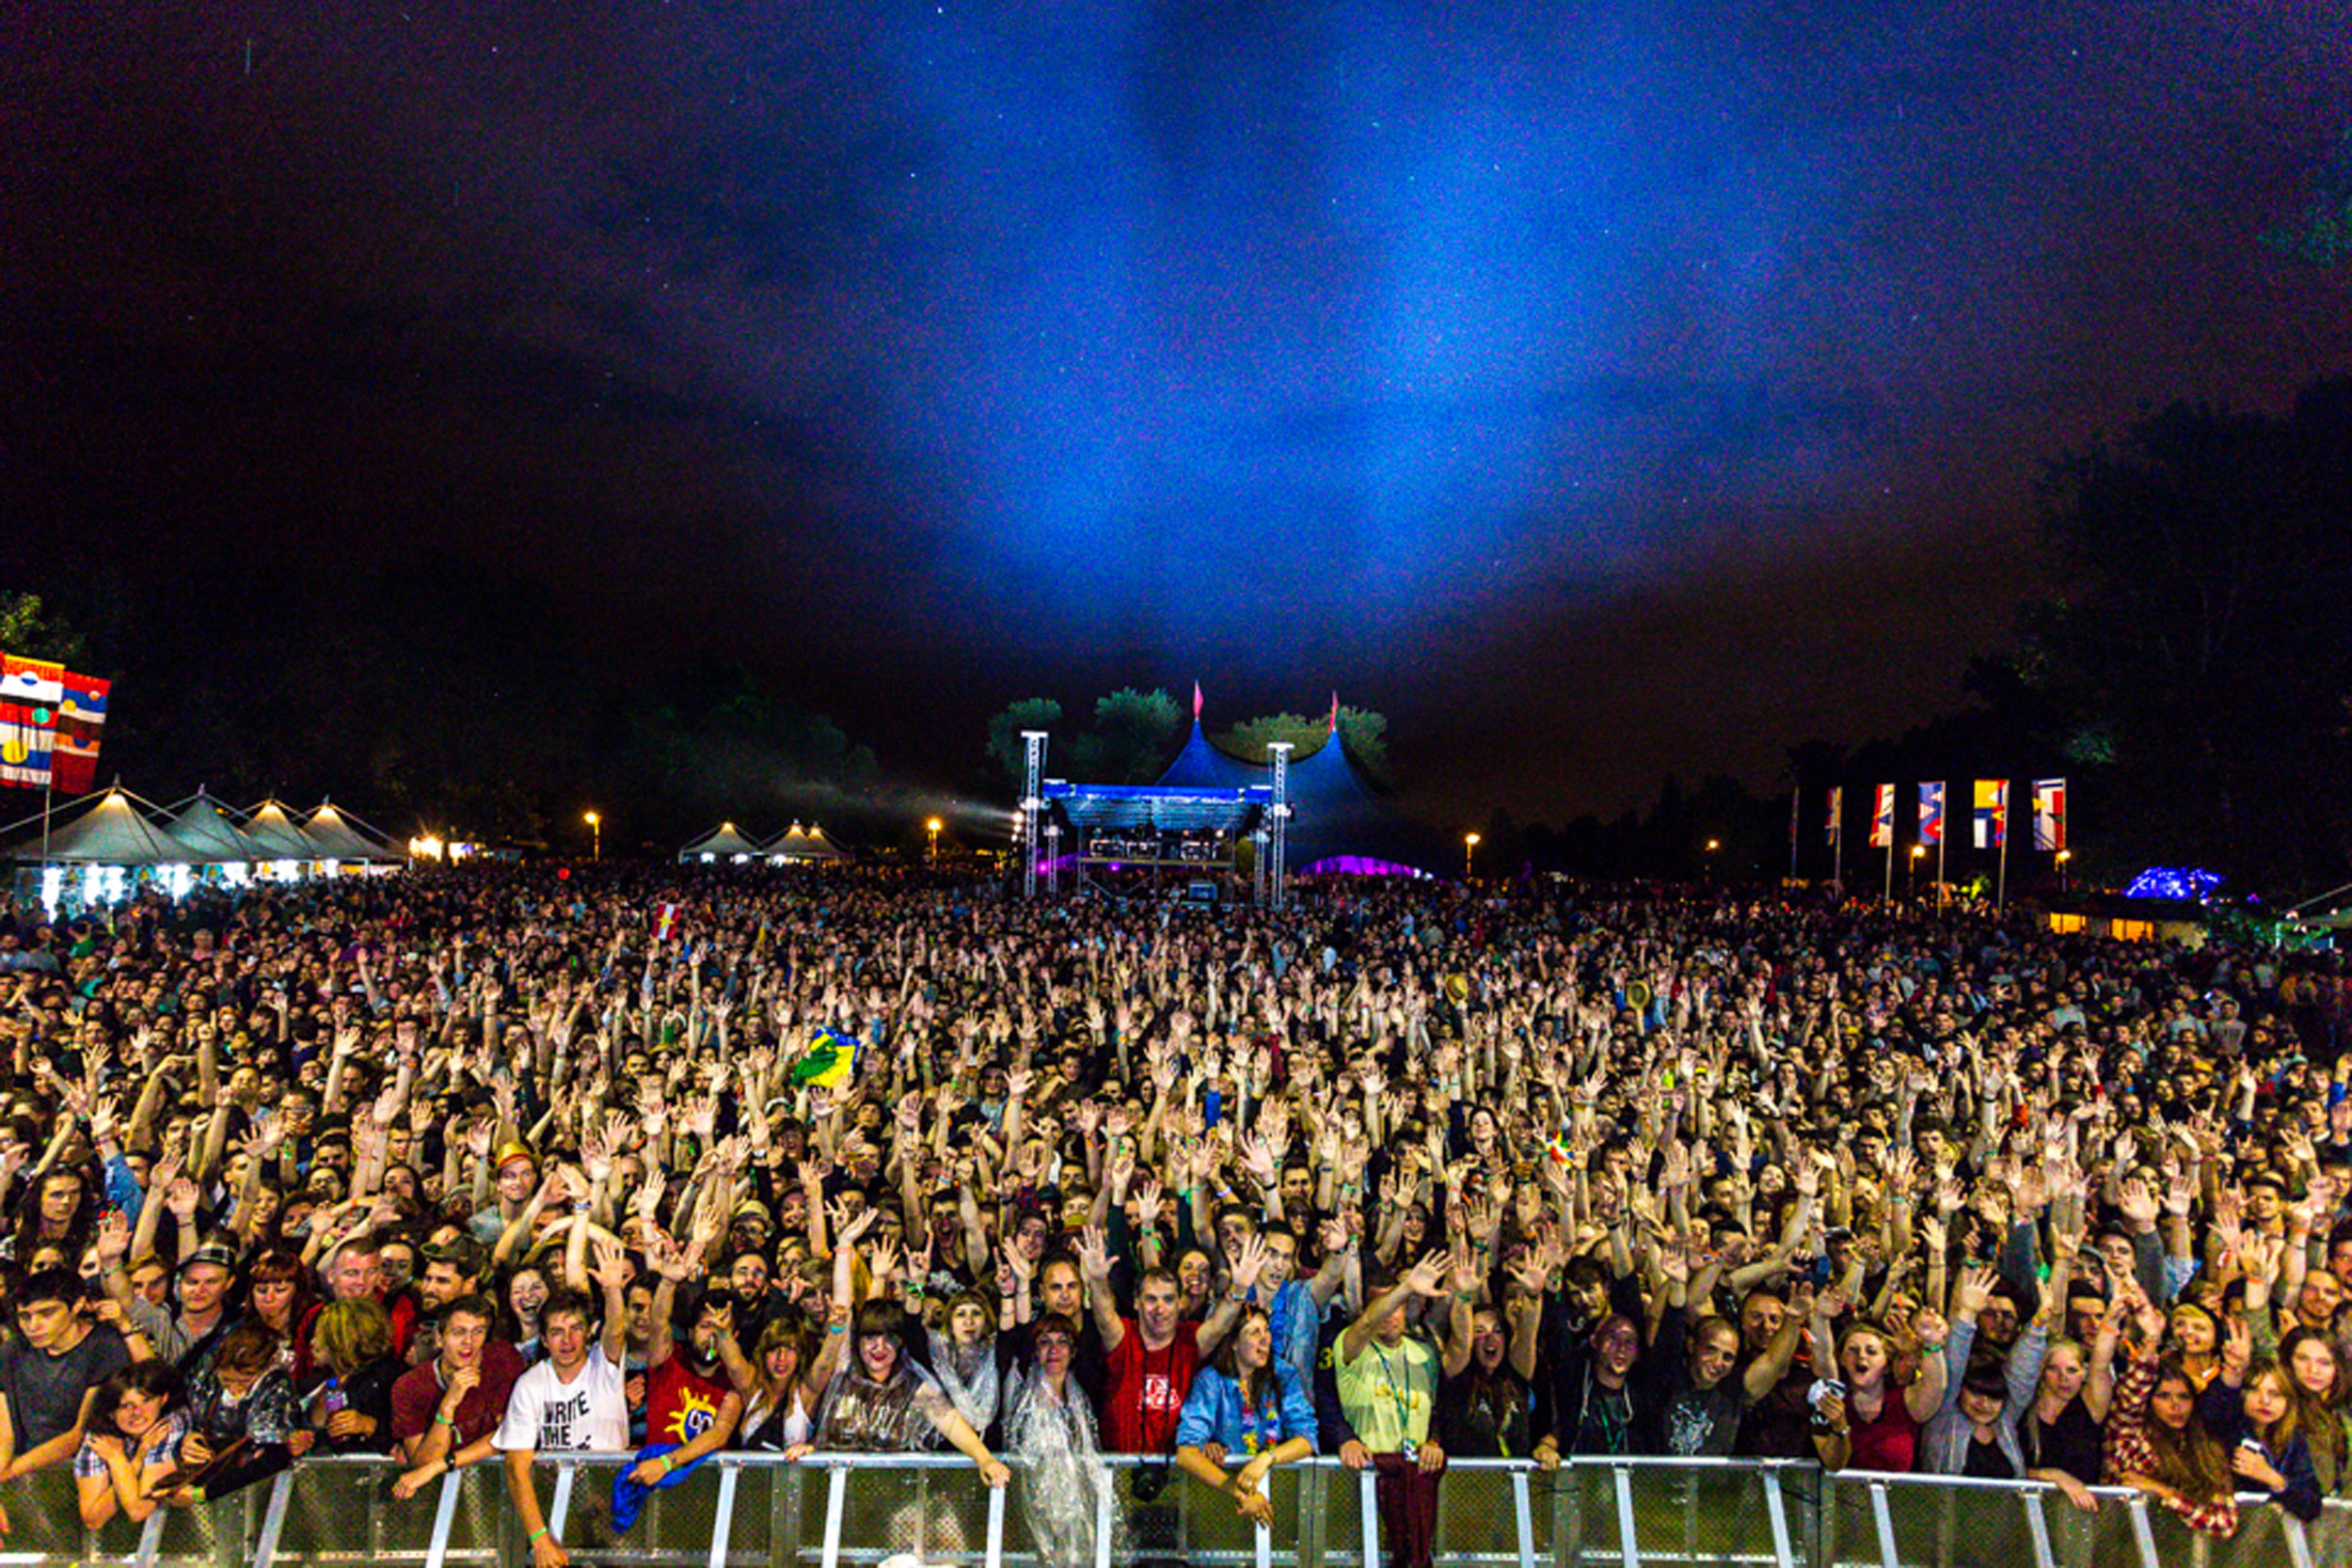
(2265,1423)
(277,1296)
(784,1379)
(881,1402)
(130,1461)
(2157,1442)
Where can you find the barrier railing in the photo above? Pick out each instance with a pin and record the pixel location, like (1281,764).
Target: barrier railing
(851,1511)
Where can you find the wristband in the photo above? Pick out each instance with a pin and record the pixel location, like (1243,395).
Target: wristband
(439,1419)
(536,1535)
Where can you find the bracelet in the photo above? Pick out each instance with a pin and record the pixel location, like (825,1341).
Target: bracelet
(536,1535)
(439,1419)
(1927,1349)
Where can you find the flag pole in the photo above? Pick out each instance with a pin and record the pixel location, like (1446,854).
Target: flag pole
(1796,812)
(1889,894)
(2000,888)
(1837,844)
(1943,833)
(47,789)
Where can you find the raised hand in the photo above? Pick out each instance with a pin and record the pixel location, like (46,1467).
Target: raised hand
(1427,1277)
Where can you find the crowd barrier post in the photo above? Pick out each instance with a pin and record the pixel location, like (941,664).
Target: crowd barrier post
(1629,1529)
(150,1540)
(1523,1515)
(1103,1529)
(274,1516)
(2038,1527)
(836,1497)
(996,1527)
(2143,1534)
(444,1519)
(722,1515)
(1367,1504)
(1776,1510)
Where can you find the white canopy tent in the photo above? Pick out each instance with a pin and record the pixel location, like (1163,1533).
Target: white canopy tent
(803,844)
(276,833)
(721,843)
(207,833)
(111,830)
(339,837)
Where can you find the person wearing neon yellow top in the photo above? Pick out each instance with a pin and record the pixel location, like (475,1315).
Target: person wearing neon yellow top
(1388,1382)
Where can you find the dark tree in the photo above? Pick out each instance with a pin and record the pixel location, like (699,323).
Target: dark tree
(2199,640)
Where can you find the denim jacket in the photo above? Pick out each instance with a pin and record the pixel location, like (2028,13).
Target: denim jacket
(1212,1412)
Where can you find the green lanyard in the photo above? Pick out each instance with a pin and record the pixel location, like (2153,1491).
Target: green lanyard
(1402,1396)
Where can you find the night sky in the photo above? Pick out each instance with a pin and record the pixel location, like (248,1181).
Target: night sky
(1596,390)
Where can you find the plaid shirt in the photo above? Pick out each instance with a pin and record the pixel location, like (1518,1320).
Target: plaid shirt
(88,1467)
(2130,1453)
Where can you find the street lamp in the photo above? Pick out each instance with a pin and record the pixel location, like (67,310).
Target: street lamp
(1911,885)
(2063,856)
(1469,850)
(932,827)
(596,832)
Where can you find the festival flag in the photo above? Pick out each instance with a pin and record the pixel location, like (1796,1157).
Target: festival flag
(81,715)
(828,1062)
(1883,819)
(1836,809)
(1196,702)
(665,921)
(2049,814)
(29,693)
(1931,813)
(24,746)
(1992,813)
(1335,713)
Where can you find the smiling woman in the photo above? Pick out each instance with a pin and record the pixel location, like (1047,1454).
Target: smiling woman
(130,1461)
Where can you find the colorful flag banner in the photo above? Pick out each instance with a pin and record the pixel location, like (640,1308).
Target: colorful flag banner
(35,682)
(2049,814)
(1931,813)
(1991,813)
(830,1061)
(81,716)
(1883,819)
(25,745)
(1836,810)
(664,922)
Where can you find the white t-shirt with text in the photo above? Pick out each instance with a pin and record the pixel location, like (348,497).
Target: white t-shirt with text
(545,1415)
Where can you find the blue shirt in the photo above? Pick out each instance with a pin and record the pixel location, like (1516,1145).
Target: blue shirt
(1213,1413)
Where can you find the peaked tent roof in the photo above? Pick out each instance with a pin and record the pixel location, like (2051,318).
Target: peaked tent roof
(805,844)
(278,836)
(340,839)
(110,832)
(1337,814)
(722,840)
(1201,766)
(207,835)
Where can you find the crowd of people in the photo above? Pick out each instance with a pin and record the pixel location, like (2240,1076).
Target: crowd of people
(467,1168)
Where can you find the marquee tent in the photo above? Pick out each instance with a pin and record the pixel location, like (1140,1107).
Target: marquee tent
(342,838)
(206,835)
(111,832)
(721,843)
(799,844)
(277,836)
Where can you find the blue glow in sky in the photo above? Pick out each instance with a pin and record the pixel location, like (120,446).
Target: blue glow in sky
(1597,389)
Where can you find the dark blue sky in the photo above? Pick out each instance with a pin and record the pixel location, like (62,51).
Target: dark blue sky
(1597,390)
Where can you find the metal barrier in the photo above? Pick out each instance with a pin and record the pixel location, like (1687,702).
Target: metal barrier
(852,1510)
